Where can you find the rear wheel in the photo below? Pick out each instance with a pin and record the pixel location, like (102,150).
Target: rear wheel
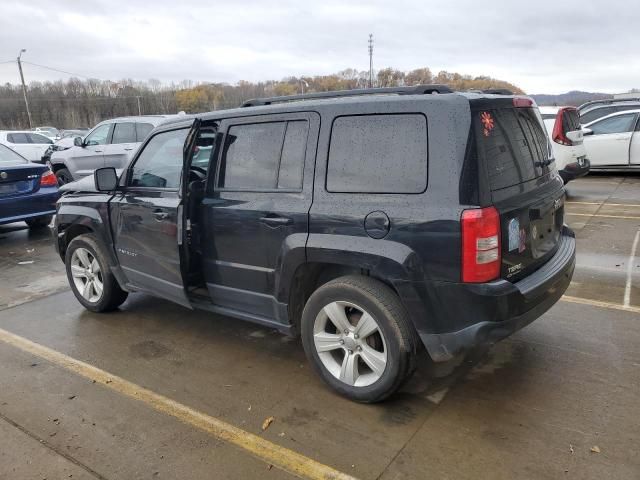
(89,275)
(64,176)
(358,337)
(39,222)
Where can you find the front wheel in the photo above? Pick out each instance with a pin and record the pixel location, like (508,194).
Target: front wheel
(89,275)
(358,337)
(64,176)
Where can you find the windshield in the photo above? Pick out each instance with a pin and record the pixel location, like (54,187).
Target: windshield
(9,157)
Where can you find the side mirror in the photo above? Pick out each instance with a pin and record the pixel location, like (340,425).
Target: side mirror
(105,179)
(587,131)
(77,141)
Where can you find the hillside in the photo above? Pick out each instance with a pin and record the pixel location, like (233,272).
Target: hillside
(574,97)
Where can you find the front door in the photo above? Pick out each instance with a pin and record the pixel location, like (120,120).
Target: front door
(255,212)
(609,143)
(147,218)
(82,161)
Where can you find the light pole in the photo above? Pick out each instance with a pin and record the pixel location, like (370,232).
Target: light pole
(371,60)
(303,83)
(24,87)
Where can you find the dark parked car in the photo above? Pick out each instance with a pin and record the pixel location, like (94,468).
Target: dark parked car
(374,223)
(28,191)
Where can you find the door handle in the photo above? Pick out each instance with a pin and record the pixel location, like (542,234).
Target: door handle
(160,215)
(98,151)
(127,149)
(276,221)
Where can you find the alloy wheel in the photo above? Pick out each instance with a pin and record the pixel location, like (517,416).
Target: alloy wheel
(86,274)
(350,343)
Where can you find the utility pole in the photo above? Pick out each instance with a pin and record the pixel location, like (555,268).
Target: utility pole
(139,109)
(24,87)
(371,60)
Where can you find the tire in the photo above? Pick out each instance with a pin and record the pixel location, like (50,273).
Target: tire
(395,340)
(64,176)
(39,222)
(82,251)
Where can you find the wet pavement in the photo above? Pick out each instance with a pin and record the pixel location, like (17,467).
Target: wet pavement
(533,407)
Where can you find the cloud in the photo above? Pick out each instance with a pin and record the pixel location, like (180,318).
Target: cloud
(546,46)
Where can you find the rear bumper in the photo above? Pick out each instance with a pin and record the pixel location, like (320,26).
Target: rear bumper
(37,204)
(497,309)
(574,170)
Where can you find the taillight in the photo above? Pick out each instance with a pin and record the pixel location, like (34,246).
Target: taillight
(522,102)
(48,179)
(558,135)
(480,244)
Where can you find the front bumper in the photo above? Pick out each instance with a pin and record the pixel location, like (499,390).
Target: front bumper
(574,170)
(501,308)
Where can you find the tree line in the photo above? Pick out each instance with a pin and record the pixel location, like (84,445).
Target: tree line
(76,103)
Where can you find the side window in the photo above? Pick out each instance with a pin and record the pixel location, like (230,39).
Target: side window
(98,136)
(159,165)
(37,138)
(378,154)
(617,124)
(264,156)
(293,153)
(143,130)
(124,133)
(17,138)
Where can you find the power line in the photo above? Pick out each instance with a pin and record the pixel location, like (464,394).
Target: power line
(57,70)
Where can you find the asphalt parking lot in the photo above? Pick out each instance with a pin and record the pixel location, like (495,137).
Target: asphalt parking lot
(158,391)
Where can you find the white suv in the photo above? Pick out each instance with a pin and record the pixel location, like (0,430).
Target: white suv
(563,127)
(111,143)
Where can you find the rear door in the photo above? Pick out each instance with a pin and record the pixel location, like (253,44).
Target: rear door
(610,141)
(122,146)
(523,184)
(147,214)
(256,208)
(40,143)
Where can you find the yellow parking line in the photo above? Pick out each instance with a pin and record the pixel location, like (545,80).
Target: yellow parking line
(604,204)
(263,449)
(598,303)
(628,217)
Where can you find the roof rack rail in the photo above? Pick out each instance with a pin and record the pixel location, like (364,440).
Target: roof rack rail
(417,90)
(498,91)
(607,101)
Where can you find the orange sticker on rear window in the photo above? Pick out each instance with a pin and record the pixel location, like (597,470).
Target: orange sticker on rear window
(487,123)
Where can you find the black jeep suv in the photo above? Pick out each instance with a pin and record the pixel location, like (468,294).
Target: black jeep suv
(372,222)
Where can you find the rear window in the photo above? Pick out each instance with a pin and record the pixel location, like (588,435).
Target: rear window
(378,154)
(8,156)
(512,143)
(570,120)
(17,138)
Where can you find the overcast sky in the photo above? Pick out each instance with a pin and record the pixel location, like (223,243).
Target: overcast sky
(543,46)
